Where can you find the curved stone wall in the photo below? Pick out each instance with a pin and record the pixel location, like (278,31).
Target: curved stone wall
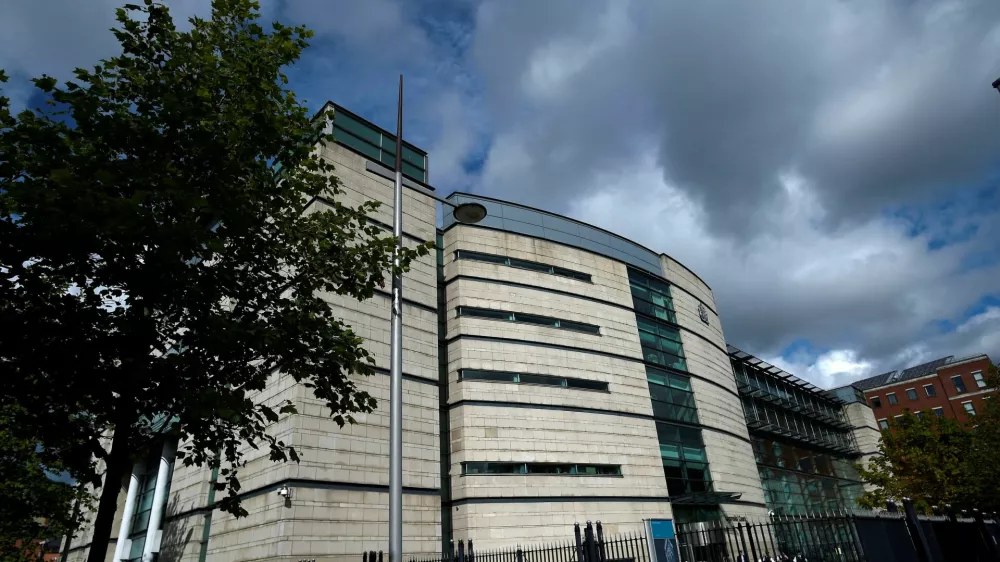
(506,422)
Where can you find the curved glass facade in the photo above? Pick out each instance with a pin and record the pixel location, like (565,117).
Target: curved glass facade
(533,222)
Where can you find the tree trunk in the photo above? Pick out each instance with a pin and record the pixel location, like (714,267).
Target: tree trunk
(116,466)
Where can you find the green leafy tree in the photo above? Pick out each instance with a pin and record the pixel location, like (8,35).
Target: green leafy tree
(924,458)
(984,455)
(157,266)
(36,501)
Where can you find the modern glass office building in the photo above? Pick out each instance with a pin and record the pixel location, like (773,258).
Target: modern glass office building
(804,445)
(554,372)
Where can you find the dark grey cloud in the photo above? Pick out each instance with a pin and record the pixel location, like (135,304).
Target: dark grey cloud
(765,145)
(876,102)
(771,145)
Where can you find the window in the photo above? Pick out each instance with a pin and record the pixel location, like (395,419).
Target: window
(978,377)
(671,396)
(919,414)
(897,418)
(651,296)
(929,390)
(376,145)
(661,344)
(522,264)
(911,393)
(564,469)
(883,423)
(685,465)
(892,398)
(939,412)
(959,384)
(528,319)
(969,408)
(876,402)
(527,378)
(144,503)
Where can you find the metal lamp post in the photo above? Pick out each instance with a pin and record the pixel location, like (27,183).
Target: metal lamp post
(468,213)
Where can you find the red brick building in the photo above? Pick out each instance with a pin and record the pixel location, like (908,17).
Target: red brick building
(949,387)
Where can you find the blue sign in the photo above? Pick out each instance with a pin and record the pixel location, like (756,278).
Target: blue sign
(661,534)
(661,528)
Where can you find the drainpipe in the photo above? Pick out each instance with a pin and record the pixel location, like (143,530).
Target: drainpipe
(125,529)
(152,545)
(206,530)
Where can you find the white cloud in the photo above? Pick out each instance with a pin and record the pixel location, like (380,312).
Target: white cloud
(828,370)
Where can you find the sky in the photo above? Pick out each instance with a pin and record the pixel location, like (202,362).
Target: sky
(830,168)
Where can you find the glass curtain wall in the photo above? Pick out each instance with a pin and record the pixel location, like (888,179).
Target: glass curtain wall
(377,145)
(682,450)
(802,444)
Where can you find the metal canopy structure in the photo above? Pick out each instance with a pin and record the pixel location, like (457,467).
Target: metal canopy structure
(705,498)
(783,375)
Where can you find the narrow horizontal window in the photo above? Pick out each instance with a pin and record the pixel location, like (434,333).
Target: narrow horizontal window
(586,384)
(565,469)
(525,264)
(485,313)
(530,378)
(493,376)
(522,264)
(526,318)
(579,327)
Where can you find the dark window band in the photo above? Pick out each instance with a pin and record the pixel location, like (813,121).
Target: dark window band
(525,318)
(710,307)
(530,378)
(585,410)
(578,349)
(574,499)
(574,295)
(548,468)
(521,264)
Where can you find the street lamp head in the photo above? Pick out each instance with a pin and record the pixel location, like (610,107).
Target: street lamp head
(996,83)
(469,213)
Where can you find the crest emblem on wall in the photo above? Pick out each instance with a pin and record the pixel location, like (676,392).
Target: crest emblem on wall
(703,313)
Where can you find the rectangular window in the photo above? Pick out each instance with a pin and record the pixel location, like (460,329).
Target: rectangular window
(526,318)
(969,408)
(897,418)
(671,396)
(522,264)
(876,402)
(684,461)
(911,393)
(929,390)
(959,384)
(978,377)
(485,313)
(651,297)
(541,468)
(377,146)
(919,414)
(528,378)
(883,423)
(939,412)
(892,398)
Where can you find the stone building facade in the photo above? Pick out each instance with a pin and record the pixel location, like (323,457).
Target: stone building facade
(553,373)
